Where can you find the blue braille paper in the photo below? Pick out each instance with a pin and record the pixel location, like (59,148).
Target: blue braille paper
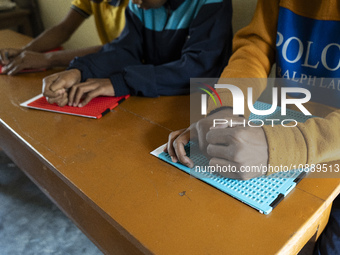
(262,193)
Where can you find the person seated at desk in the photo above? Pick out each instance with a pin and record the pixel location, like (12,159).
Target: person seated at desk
(110,21)
(302,37)
(164,44)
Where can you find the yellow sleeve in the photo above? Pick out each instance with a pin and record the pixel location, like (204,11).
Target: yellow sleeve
(253,53)
(83,7)
(315,141)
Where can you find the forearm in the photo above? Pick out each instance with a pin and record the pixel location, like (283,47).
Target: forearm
(56,35)
(64,57)
(48,40)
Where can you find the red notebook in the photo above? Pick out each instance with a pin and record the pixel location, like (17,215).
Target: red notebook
(96,108)
(33,70)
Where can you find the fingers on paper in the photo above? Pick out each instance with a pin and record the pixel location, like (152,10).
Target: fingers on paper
(77,92)
(14,67)
(81,94)
(175,147)
(60,100)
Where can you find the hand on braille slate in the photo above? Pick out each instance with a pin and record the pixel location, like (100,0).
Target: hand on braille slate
(224,145)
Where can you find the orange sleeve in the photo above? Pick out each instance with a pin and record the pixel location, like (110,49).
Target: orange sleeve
(253,53)
(315,141)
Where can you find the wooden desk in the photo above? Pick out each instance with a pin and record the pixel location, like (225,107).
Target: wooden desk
(100,173)
(16,18)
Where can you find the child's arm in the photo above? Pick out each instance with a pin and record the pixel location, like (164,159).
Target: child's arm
(56,35)
(37,60)
(51,38)
(32,56)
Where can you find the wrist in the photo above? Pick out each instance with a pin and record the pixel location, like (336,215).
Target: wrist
(77,74)
(50,59)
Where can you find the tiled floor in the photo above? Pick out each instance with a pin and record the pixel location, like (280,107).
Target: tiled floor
(30,223)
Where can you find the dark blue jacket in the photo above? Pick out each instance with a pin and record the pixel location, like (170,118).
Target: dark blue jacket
(161,49)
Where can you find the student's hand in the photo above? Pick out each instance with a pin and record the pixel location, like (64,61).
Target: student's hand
(242,150)
(27,60)
(7,54)
(88,90)
(236,146)
(55,86)
(178,139)
(176,142)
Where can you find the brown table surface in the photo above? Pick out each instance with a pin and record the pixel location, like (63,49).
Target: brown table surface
(100,173)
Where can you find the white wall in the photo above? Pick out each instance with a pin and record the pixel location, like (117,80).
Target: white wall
(53,11)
